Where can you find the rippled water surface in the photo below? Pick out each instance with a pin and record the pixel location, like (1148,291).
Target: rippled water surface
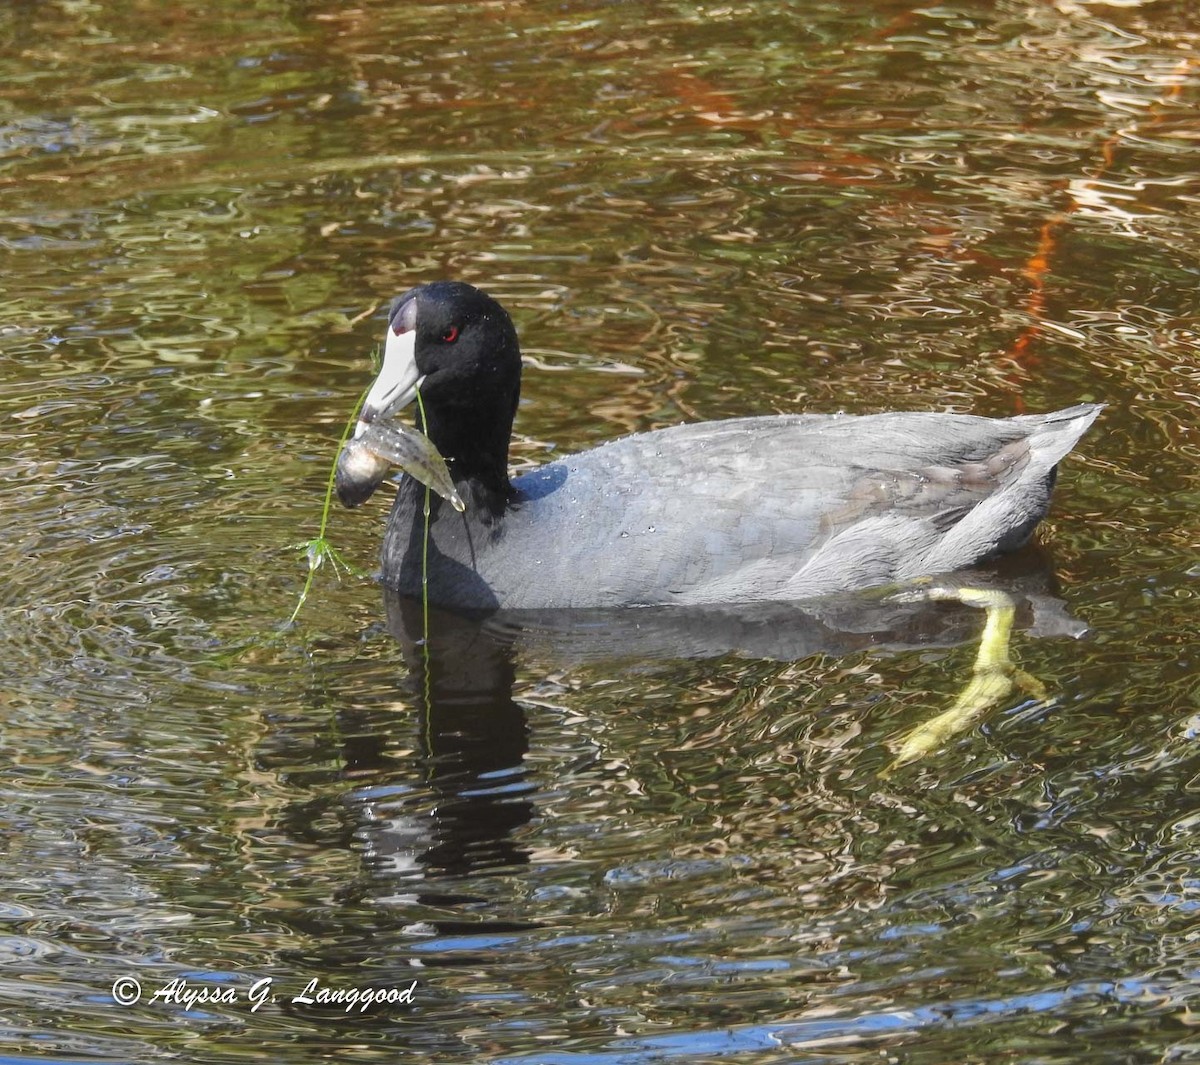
(612,845)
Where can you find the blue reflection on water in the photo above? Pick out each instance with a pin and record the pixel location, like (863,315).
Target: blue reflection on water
(758,1037)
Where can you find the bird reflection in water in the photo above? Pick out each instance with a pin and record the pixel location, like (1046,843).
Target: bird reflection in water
(476,791)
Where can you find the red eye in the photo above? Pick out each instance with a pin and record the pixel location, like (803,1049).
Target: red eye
(450,335)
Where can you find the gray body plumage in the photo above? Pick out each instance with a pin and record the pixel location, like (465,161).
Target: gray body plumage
(776,508)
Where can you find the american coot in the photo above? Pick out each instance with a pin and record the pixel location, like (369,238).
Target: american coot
(775,508)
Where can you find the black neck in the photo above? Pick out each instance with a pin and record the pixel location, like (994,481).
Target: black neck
(476,453)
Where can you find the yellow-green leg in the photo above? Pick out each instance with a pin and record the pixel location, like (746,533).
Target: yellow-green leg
(993,679)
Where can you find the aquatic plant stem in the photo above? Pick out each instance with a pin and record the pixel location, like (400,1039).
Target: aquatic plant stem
(424,542)
(425,658)
(318,549)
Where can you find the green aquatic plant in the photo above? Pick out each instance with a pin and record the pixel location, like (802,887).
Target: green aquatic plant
(319,550)
(369,454)
(425,545)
